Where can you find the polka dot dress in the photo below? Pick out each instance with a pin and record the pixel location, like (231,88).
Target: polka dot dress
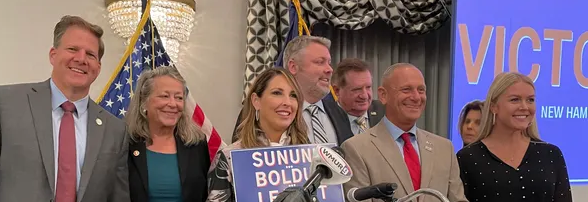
(541,177)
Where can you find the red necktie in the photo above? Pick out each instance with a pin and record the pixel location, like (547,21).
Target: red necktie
(66,163)
(412,161)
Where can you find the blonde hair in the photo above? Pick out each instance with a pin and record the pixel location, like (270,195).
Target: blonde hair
(137,120)
(498,87)
(247,130)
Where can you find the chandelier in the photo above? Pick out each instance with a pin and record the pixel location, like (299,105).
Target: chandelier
(174,20)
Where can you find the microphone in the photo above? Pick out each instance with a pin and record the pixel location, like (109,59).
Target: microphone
(328,168)
(378,191)
(339,151)
(423,191)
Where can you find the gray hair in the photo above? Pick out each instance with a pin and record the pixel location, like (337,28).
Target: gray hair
(70,21)
(294,47)
(136,117)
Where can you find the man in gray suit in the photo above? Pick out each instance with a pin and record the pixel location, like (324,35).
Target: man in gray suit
(56,143)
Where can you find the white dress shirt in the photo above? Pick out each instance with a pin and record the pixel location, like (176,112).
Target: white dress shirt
(323,117)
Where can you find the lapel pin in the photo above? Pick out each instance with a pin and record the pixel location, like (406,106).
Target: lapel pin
(428,148)
(136,153)
(373,113)
(99,121)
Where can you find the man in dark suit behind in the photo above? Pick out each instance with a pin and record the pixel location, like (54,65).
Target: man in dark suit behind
(352,83)
(56,143)
(309,60)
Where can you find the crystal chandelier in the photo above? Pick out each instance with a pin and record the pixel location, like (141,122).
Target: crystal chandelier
(174,20)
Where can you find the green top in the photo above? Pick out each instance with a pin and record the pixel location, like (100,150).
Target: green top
(164,177)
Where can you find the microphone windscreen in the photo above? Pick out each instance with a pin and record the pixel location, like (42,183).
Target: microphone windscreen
(351,195)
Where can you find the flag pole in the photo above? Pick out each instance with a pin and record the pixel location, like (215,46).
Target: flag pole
(303,29)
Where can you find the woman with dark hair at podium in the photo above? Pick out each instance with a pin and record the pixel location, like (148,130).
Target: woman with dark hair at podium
(508,161)
(469,121)
(272,116)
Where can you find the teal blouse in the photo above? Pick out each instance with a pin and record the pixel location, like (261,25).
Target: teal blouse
(164,177)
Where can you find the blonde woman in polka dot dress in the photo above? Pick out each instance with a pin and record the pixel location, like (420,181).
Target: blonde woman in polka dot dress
(508,161)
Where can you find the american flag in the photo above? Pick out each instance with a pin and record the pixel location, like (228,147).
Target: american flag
(146,51)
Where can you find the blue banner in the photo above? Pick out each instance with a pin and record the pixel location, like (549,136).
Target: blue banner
(260,174)
(545,41)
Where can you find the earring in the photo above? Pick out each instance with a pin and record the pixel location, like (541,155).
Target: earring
(493,118)
(144,111)
(257,115)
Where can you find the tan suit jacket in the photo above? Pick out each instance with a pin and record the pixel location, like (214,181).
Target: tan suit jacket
(374,157)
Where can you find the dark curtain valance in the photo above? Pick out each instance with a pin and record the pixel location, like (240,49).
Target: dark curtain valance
(268,23)
(404,16)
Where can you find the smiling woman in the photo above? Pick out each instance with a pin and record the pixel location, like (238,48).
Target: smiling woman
(168,159)
(272,116)
(508,161)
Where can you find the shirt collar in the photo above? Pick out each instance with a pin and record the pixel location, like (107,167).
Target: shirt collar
(395,131)
(351,117)
(319,104)
(57,98)
(284,139)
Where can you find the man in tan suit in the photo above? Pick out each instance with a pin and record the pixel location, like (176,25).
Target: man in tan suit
(380,154)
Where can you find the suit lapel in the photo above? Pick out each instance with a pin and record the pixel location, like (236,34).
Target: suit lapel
(40,105)
(94,137)
(375,113)
(139,158)
(339,119)
(183,159)
(372,117)
(427,157)
(387,147)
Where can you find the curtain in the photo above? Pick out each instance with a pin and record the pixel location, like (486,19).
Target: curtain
(268,23)
(381,46)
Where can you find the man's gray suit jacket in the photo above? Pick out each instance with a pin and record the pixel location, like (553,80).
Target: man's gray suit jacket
(27,165)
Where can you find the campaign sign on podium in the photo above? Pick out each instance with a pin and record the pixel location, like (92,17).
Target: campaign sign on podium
(260,174)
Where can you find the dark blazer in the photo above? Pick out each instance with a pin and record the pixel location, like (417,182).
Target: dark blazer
(338,118)
(193,162)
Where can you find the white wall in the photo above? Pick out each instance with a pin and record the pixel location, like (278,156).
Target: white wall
(212,61)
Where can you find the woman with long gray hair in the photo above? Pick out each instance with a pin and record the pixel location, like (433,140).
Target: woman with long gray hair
(168,159)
